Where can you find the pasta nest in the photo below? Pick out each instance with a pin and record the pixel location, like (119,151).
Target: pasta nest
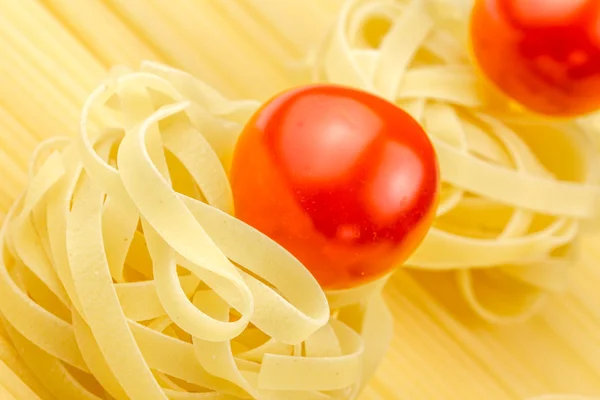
(124,272)
(516,188)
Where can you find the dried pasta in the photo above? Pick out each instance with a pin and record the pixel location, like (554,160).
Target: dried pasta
(122,261)
(509,215)
(123,274)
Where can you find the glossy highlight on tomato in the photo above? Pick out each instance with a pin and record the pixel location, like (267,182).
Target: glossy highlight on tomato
(344,180)
(543,54)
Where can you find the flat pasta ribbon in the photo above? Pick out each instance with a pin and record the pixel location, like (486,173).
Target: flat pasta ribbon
(125,273)
(510,213)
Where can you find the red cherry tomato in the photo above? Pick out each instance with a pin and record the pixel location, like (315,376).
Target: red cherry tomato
(344,180)
(544,54)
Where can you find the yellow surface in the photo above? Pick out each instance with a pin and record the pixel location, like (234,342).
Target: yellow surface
(53,53)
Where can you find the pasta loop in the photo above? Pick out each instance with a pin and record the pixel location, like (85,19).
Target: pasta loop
(509,213)
(125,273)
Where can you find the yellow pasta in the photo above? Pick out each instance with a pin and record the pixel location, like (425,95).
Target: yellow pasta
(124,275)
(112,42)
(508,214)
(69,238)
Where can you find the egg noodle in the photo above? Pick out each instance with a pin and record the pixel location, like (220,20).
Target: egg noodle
(509,213)
(122,261)
(124,273)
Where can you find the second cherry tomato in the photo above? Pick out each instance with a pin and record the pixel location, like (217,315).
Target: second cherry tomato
(544,54)
(346,181)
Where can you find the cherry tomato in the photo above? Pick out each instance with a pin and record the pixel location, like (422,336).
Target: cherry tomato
(344,180)
(545,54)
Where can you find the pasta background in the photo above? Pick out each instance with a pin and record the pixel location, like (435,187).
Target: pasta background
(440,349)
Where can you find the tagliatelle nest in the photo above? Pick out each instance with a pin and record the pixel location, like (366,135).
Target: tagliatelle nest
(515,188)
(122,264)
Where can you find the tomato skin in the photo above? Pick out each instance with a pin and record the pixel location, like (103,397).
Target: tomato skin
(544,54)
(344,180)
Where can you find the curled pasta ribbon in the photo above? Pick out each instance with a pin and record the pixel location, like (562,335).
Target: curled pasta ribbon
(509,214)
(124,272)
